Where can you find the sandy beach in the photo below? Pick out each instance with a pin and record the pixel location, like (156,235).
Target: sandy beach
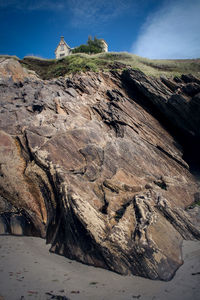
(29,271)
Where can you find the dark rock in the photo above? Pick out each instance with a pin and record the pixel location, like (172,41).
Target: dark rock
(56,297)
(173,86)
(177,111)
(191,89)
(37,108)
(190,78)
(178,79)
(4,225)
(17,225)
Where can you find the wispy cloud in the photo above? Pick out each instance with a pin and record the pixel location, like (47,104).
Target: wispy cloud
(82,12)
(90,12)
(171,32)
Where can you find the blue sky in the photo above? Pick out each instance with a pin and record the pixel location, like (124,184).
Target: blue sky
(149,28)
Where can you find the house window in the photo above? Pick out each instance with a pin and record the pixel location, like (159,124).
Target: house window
(62,54)
(61,47)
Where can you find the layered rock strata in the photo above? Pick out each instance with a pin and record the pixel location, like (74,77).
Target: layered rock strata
(93,164)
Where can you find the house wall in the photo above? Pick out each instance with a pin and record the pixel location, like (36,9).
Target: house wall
(105,46)
(62,51)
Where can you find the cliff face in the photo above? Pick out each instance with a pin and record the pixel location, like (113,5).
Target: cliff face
(93,163)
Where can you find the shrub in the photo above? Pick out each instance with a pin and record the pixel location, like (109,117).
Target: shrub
(93,47)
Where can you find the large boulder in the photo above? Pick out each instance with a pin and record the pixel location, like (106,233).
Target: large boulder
(95,172)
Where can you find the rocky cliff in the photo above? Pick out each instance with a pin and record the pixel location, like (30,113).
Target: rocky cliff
(100,164)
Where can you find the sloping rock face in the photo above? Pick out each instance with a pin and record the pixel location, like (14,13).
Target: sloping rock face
(174,103)
(86,165)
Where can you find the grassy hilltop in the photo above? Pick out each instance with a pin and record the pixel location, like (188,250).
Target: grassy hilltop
(50,68)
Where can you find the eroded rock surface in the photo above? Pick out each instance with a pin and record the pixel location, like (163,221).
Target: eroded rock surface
(85,163)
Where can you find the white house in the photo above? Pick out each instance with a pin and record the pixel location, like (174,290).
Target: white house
(105,45)
(62,49)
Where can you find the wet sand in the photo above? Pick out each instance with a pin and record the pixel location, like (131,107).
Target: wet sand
(29,271)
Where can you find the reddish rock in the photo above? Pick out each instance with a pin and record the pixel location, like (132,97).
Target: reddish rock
(90,161)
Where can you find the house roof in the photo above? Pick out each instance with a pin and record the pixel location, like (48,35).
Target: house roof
(63,41)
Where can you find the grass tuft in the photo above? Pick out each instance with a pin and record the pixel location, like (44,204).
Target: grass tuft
(51,68)
(10,56)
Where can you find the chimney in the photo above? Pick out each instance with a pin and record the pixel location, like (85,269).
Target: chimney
(62,38)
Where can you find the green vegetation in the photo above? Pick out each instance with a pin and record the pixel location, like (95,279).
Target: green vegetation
(50,68)
(92,47)
(47,69)
(9,56)
(154,67)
